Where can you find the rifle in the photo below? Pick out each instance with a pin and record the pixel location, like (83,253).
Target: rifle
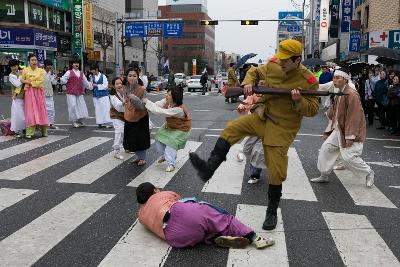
(238,91)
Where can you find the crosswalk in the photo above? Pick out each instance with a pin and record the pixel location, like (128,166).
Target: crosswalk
(353,236)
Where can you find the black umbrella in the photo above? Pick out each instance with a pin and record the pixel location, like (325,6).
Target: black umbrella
(387,61)
(384,52)
(355,68)
(243,60)
(313,62)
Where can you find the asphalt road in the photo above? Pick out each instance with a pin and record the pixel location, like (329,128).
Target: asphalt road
(58,223)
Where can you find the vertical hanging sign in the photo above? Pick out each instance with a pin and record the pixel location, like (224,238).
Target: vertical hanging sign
(347,14)
(324,21)
(88,11)
(77,27)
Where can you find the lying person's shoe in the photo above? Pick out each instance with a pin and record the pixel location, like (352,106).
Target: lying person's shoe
(262,242)
(232,241)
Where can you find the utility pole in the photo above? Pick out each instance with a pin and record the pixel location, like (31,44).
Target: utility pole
(304,30)
(116,41)
(312,23)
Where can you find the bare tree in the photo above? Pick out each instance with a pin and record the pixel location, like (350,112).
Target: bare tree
(145,45)
(160,54)
(123,43)
(106,39)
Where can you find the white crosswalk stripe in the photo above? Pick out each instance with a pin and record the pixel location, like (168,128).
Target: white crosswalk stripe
(28,146)
(94,170)
(137,247)
(6,138)
(355,240)
(156,173)
(276,255)
(228,178)
(10,196)
(31,242)
(34,166)
(358,242)
(362,195)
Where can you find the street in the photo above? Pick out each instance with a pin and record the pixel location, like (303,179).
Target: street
(65,201)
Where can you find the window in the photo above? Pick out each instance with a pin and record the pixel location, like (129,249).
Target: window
(366,16)
(37,15)
(188,47)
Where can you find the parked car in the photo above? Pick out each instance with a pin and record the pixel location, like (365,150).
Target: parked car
(180,78)
(160,83)
(193,84)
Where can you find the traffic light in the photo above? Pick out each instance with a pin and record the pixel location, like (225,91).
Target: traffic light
(249,22)
(209,22)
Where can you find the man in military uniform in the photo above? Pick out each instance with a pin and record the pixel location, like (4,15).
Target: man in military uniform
(232,81)
(276,120)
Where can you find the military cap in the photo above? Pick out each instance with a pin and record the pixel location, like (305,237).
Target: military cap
(289,48)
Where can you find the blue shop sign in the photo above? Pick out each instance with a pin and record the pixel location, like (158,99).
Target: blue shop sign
(45,39)
(347,15)
(355,41)
(19,38)
(27,38)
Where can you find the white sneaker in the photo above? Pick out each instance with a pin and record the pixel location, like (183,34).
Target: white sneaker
(320,179)
(170,168)
(75,125)
(253,180)
(118,156)
(263,242)
(370,179)
(240,157)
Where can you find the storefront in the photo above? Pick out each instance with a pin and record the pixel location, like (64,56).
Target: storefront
(18,43)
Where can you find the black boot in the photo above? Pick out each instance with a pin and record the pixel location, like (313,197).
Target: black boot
(205,169)
(274,196)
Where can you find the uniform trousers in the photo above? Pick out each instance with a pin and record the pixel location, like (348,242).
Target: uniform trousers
(330,151)
(275,157)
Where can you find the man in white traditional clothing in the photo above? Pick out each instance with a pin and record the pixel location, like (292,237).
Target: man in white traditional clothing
(345,135)
(75,82)
(49,81)
(101,100)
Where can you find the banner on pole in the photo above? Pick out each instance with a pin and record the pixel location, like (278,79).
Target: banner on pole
(88,11)
(324,21)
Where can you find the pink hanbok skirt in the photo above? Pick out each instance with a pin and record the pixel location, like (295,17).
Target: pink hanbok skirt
(35,107)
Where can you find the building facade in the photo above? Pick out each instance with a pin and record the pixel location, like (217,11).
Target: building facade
(40,27)
(197,42)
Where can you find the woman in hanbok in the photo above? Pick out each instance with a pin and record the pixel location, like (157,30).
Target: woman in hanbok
(136,134)
(117,98)
(174,134)
(75,82)
(17,106)
(100,97)
(34,100)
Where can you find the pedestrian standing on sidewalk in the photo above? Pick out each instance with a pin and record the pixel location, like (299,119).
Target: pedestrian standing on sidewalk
(117,100)
(346,135)
(34,100)
(48,92)
(276,120)
(369,97)
(136,132)
(174,134)
(184,223)
(76,81)
(394,106)
(203,82)
(381,98)
(100,97)
(17,106)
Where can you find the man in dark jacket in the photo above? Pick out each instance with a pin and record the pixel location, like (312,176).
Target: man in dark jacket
(203,82)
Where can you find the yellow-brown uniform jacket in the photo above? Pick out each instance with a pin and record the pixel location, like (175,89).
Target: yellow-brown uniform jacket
(232,79)
(285,112)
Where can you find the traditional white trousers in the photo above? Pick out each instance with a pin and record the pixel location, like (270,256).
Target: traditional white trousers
(325,101)
(118,134)
(168,152)
(77,109)
(17,115)
(102,110)
(330,151)
(51,113)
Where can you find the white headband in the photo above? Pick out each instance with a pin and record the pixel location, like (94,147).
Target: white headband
(342,73)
